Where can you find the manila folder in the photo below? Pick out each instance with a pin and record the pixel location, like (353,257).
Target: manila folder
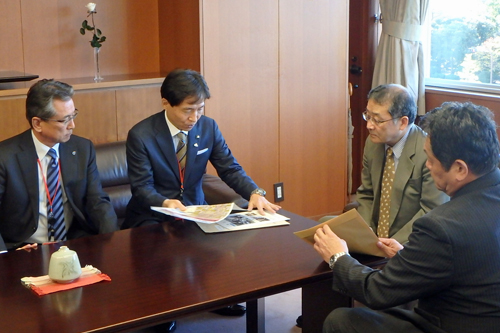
(351,227)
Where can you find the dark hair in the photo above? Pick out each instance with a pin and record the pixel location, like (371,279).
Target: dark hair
(402,102)
(463,131)
(41,95)
(184,83)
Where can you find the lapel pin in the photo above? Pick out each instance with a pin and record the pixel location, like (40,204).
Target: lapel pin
(73,153)
(196,145)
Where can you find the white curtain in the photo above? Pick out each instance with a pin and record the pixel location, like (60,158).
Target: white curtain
(400,57)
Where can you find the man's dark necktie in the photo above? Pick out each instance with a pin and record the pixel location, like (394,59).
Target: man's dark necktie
(55,211)
(181,149)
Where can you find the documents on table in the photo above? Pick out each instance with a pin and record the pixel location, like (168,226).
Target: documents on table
(216,218)
(244,221)
(351,227)
(202,214)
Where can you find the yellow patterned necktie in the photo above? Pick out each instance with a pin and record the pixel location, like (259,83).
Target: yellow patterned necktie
(385,195)
(181,149)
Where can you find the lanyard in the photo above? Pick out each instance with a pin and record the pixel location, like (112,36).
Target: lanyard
(181,174)
(49,198)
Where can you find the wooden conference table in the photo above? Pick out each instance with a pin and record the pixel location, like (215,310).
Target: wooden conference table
(163,272)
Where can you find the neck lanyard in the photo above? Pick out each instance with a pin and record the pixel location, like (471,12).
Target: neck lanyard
(181,174)
(49,198)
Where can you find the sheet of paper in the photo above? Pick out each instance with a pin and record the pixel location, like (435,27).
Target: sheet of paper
(351,227)
(244,221)
(202,214)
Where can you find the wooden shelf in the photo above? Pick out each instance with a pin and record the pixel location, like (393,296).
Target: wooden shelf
(87,83)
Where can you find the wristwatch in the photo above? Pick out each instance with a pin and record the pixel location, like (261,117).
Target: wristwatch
(335,257)
(259,191)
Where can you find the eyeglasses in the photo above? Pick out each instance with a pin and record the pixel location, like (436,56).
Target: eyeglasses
(66,119)
(374,121)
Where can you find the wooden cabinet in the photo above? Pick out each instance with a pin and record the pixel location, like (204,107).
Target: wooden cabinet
(277,72)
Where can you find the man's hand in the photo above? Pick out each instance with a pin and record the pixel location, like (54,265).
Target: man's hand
(389,246)
(261,203)
(173,203)
(327,243)
(28,247)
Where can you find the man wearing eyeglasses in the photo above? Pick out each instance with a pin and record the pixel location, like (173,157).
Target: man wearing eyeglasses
(390,115)
(49,183)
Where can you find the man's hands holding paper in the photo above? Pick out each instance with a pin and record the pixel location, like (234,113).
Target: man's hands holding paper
(173,203)
(327,243)
(390,246)
(261,203)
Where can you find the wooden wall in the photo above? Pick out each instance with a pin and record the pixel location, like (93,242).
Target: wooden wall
(435,97)
(42,37)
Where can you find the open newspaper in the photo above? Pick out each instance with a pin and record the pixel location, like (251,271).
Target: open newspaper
(217,218)
(245,220)
(352,228)
(201,214)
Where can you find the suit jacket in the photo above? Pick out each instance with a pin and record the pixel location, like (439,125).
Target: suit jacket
(413,192)
(19,193)
(451,264)
(154,172)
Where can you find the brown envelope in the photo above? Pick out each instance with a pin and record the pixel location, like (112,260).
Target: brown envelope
(351,227)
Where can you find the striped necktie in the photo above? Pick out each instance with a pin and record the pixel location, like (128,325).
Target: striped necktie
(181,149)
(55,211)
(385,194)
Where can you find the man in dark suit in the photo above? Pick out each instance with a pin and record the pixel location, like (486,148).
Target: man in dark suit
(451,262)
(168,153)
(157,176)
(25,211)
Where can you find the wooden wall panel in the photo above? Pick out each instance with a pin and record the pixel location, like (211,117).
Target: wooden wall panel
(134,105)
(240,64)
(11,44)
(13,116)
(436,97)
(313,105)
(179,33)
(54,47)
(97,116)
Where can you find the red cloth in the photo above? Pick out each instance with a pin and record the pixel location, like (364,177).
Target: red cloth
(80,282)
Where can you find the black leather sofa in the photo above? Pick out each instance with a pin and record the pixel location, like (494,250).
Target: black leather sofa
(112,164)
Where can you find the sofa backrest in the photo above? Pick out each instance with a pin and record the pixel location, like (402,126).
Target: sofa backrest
(111,160)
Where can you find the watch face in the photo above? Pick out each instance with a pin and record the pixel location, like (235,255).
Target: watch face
(332,261)
(260,191)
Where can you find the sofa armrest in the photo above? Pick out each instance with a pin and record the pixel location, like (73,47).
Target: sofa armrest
(217,192)
(351,205)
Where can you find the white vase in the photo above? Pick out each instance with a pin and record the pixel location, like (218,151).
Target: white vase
(97,75)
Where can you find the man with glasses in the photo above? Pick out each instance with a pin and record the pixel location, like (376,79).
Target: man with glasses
(390,115)
(49,183)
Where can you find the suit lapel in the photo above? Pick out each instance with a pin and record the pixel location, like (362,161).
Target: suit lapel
(192,149)
(403,174)
(165,142)
(377,168)
(27,160)
(69,166)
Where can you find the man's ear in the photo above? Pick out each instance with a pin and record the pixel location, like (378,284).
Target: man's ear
(36,123)
(460,169)
(404,123)
(164,103)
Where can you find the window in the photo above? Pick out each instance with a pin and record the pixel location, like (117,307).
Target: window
(464,50)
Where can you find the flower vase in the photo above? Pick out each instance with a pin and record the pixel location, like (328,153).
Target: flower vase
(97,76)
